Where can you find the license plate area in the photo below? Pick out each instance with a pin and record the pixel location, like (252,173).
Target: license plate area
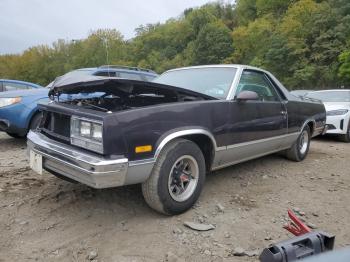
(36,162)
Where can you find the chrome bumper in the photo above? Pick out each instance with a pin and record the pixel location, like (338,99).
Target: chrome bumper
(87,168)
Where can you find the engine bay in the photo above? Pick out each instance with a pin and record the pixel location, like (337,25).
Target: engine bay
(112,103)
(114,94)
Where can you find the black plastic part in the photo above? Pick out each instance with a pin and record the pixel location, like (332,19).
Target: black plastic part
(298,247)
(61,176)
(4,125)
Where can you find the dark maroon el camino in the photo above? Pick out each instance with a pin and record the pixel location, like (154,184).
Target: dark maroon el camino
(169,133)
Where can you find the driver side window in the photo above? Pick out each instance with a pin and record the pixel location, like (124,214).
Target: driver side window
(257,82)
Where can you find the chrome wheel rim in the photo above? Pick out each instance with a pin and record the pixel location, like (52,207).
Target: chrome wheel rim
(183,178)
(303,142)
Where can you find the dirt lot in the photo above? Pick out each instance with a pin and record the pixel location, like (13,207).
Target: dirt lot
(43,218)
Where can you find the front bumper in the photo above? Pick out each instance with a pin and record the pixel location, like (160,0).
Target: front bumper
(8,127)
(14,119)
(337,124)
(4,125)
(87,168)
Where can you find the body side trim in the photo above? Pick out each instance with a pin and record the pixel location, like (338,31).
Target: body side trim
(261,140)
(241,152)
(247,159)
(219,150)
(142,162)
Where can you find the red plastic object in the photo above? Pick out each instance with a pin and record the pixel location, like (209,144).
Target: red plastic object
(296,227)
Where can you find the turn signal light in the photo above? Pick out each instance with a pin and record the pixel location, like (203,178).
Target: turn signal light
(143,149)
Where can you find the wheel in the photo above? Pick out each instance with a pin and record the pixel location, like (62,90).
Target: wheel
(346,137)
(35,121)
(177,178)
(301,147)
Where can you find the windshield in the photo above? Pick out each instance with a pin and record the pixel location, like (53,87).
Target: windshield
(331,96)
(212,81)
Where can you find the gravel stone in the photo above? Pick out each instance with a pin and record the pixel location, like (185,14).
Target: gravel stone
(92,255)
(239,252)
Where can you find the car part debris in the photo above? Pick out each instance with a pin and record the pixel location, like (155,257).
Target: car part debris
(305,244)
(296,226)
(199,227)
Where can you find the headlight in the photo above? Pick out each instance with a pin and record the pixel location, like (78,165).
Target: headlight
(97,132)
(85,129)
(338,112)
(7,101)
(86,133)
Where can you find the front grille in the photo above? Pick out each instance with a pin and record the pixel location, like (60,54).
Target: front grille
(57,126)
(61,124)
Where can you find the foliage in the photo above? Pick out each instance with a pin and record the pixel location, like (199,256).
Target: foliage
(305,43)
(344,70)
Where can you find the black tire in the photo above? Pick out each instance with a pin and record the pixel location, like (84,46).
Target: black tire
(35,121)
(346,137)
(156,190)
(299,150)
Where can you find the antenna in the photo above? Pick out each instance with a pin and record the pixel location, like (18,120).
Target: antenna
(105,40)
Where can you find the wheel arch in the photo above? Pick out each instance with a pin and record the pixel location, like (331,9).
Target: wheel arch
(312,125)
(201,137)
(34,113)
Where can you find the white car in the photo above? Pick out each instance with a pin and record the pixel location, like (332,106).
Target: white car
(337,104)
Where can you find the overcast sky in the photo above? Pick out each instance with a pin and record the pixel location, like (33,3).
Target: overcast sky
(25,23)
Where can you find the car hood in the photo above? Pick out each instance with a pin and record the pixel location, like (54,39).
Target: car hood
(25,93)
(336,105)
(116,86)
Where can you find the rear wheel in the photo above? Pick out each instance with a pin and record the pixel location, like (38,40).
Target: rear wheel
(177,178)
(346,137)
(300,148)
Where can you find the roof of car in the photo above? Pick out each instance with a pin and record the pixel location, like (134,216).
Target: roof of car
(114,68)
(19,82)
(327,90)
(220,65)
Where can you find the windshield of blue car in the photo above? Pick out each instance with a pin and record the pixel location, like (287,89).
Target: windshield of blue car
(331,96)
(211,81)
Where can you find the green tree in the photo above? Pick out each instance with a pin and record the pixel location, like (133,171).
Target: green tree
(305,43)
(213,44)
(344,69)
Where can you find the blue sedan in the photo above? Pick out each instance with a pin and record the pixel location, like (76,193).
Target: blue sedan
(19,109)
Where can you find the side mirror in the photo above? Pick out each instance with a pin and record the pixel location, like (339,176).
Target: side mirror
(247,95)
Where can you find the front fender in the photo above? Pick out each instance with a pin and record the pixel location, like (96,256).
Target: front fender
(31,108)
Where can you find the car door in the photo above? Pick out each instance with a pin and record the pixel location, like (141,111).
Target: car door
(256,127)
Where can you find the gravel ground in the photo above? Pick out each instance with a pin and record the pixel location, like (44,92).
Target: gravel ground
(44,218)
